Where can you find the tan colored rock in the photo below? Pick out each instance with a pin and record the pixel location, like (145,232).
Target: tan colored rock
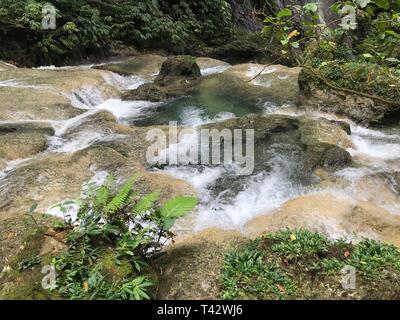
(146,66)
(52,178)
(205,63)
(42,94)
(379,189)
(278,80)
(335,217)
(19,141)
(6,66)
(34,104)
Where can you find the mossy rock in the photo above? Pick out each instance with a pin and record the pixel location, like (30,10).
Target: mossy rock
(22,278)
(112,270)
(366,78)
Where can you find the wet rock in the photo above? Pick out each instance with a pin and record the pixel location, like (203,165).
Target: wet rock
(36,94)
(29,104)
(241,85)
(323,142)
(178,71)
(209,63)
(334,217)
(280,80)
(51,178)
(147,92)
(20,141)
(6,66)
(326,156)
(177,76)
(147,66)
(382,188)
(344,125)
(102,122)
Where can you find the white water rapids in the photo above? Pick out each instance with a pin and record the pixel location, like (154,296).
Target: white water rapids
(374,151)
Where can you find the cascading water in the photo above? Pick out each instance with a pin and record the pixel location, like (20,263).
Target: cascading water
(226,200)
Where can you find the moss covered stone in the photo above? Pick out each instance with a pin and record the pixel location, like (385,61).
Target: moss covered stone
(379,101)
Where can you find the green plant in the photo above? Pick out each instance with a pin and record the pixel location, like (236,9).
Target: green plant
(83,25)
(248,274)
(131,226)
(372,25)
(301,264)
(295,243)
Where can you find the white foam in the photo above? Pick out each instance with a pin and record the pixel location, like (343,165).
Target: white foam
(79,141)
(193,116)
(15,83)
(127,109)
(214,70)
(123,82)
(261,193)
(86,97)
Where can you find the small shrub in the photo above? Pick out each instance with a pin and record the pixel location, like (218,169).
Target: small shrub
(129,226)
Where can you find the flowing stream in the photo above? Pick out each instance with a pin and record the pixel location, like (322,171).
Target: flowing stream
(227,201)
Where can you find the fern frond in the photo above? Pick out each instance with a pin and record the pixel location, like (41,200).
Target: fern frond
(102,196)
(121,199)
(145,203)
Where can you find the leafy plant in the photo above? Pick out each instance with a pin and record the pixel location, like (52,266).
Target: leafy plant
(128,225)
(372,25)
(83,25)
(291,264)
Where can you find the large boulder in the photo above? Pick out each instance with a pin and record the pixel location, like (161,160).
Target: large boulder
(178,71)
(176,77)
(249,85)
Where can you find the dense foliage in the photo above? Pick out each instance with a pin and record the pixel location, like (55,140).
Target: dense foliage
(91,24)
(113,238)
(364,29)
(299,264)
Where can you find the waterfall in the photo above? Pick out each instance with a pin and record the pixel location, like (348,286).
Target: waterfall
(326,14)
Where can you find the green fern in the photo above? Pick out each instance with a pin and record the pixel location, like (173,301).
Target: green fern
(121,199)
(145,203)
(102,197)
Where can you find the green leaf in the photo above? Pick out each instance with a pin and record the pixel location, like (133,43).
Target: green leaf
(393,33)
(118,202)
(146,203)
(393,60)
(286,12)
(384,4)
(178,207)
(33,207)
(168,223)
(363,3)
(312,7)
